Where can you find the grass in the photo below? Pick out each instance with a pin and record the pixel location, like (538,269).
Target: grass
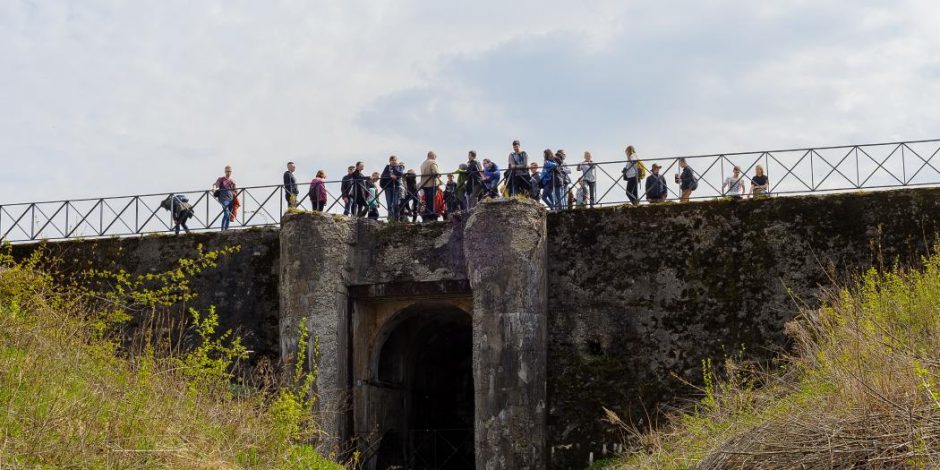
(69,398)
(862,389)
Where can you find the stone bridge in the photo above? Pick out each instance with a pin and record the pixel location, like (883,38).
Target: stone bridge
(495,338)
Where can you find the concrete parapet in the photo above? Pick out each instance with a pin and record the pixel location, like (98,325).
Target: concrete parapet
(505,248)
(315,249)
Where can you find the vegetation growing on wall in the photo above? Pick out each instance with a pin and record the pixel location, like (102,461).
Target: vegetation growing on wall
(71,396)
(863,389)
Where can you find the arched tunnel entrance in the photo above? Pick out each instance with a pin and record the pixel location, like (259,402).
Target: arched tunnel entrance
(421,393)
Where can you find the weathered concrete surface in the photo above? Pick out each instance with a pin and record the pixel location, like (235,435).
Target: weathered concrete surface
(639,297)
(315,255)
(505,244)
(389,253)
(243,287)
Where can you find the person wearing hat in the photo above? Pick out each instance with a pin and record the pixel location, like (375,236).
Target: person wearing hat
(656,190)
(518,170)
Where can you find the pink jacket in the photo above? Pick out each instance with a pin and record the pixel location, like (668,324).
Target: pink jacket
(317,190)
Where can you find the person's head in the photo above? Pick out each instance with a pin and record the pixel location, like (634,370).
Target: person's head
(515,146)
(321,174)
(450,177)
(432,156)
(655,168)
(291,167)
(472,155)
(547,153)
(486,161)
(350,170)
(393,160)
(560,155)
(462,166)
(375,176)
(759,170)
(228,170)
(682,163)
(411,172)
(630,151)
(533,167)
(581,183)
(360,166)
(736,171)
(587,156)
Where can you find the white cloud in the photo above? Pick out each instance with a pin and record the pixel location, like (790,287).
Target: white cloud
(114,97)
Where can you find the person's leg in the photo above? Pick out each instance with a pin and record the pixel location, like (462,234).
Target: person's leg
(561,199)
(428,202)
(592,191)
(685,195)
(631,191)
(226,213)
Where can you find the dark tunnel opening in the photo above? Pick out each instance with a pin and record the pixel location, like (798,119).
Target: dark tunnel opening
(430,354)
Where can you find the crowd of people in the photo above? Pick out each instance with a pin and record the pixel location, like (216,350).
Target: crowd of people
(432,194)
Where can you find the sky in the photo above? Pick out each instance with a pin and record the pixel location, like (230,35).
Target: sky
(113,97)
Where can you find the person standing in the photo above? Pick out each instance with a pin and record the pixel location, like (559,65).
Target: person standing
(518,170)
(760,185)
(410,202)
(360,193)
(474,179)
(589,176)
(552,181)
(686,180)
(429,176)
(345,191)
(461,191)
(565,174)
(656,190)
(290,186)
(632,173)
(535,181)
(733,186)
(450,194)
(317,191)
(226,190)
(372,193)
(391,186)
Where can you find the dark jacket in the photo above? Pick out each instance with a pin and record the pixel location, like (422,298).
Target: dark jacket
(290,184)
(687,179)
(411,183)
(474,171)
(359,189)
(386,180)
(656,187)
(345,187)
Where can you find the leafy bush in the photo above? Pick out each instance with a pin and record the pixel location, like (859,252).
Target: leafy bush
(70,397)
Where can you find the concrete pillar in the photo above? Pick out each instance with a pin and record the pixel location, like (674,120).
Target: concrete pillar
(315,253)
(506,250)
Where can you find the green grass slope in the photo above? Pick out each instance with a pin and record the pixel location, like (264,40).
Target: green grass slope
(862,390)
(69,400)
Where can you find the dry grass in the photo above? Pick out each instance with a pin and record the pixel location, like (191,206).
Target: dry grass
(68,400)
(861,391)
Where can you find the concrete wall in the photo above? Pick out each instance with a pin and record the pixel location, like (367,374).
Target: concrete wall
(243,287)
(639,297)
(572,312)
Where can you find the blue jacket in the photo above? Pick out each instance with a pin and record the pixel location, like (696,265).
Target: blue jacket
(493,176)
(549,176)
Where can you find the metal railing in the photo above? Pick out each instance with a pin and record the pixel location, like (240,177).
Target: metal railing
(790,172)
